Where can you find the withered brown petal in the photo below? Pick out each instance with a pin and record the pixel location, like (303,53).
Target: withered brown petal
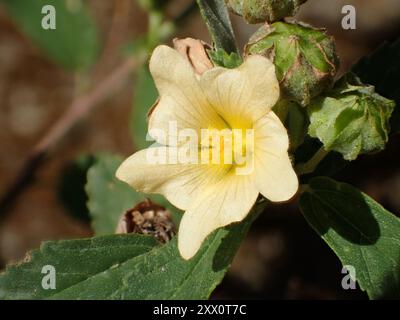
(195,52)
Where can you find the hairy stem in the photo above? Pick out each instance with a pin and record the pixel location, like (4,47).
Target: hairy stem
(216,18)
(311,165)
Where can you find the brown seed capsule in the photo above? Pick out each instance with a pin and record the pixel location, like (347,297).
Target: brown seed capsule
(150,219)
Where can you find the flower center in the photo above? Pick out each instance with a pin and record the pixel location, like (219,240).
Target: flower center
(233,147)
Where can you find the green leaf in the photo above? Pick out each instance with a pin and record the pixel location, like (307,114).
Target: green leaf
(74,43)
(74,261)
(382,69)
(163,274)
(219,25)
(71,187)
(125,267)
(359,230)
(351,119)
(145,96)
(109,197)
(223,59)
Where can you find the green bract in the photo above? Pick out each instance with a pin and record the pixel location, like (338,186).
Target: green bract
(352,119)
(305,58)
(256,11)
(220,58)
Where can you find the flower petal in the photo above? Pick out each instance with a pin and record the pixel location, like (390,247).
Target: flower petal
(242,95)
(274,174)
(228,201)
(179,183)
(182,101)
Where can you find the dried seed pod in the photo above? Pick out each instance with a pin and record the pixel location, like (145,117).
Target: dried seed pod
(257,11)
(150,219)
(305,58)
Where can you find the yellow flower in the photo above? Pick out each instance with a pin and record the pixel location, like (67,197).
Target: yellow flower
(213,194)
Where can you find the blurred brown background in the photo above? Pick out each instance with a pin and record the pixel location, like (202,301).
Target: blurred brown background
(282,257)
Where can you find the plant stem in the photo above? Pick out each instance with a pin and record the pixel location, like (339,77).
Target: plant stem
(216,17)
(311,165)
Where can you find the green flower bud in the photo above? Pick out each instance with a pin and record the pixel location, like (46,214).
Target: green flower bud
(257,11)
(352,119)
(305,58)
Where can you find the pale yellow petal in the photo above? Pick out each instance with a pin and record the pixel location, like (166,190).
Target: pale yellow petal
(242,95)
(220,205)
(179,183)
(182,100)
(274,173)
